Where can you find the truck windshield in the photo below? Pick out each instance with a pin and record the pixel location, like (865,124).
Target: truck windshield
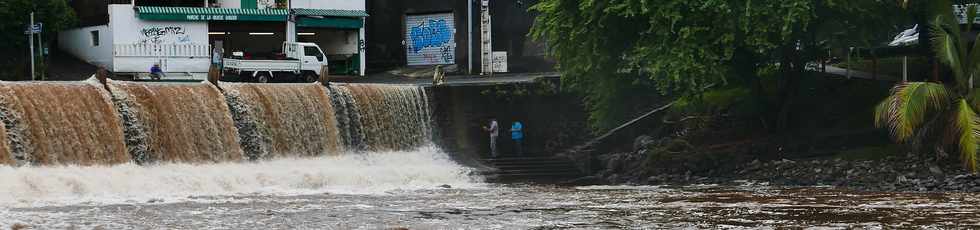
(313,51)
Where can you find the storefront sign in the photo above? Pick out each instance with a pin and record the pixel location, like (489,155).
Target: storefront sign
(212,17)
(499,61)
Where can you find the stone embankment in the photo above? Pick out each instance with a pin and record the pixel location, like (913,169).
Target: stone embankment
(672,162)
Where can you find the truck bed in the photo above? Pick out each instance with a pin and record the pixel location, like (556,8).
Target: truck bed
(262,65)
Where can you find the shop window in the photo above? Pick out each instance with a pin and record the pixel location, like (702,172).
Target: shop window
(95,38)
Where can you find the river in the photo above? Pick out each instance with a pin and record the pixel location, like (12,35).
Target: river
(387,190)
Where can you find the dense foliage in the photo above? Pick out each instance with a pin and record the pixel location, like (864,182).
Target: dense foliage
(14,18)
(611,49)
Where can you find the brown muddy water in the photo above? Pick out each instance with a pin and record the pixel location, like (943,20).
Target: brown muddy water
(489,206)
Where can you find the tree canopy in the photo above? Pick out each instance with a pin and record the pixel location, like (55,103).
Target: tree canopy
(679,47)
(14,18)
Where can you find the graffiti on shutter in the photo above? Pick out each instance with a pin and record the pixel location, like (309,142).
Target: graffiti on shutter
(430,39)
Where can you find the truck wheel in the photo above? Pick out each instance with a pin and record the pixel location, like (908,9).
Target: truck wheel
(309,77)
(262,78)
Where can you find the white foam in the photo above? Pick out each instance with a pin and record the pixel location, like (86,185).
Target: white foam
(353,173)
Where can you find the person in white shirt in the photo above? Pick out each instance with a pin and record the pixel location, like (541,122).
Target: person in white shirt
(493,136)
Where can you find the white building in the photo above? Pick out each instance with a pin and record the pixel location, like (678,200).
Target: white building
(129,36)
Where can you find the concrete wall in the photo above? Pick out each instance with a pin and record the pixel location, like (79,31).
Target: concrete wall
(91,12)
(553,120)
(309,4)
(386,32)
(334,41)
(78,42)
(330,4)
(130,30)
(511,24)
(230,3)
(127,29)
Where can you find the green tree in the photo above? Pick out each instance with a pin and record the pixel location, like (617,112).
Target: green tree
(918,110)
(677,47)
(14,18)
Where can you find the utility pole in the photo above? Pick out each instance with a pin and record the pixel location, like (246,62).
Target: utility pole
(30,39)
(469,37)
(290,23)
(486,39)
(40,50)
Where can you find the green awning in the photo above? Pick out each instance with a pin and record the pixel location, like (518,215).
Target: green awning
(331,13)
(340,23)
(159,13)
(316,17)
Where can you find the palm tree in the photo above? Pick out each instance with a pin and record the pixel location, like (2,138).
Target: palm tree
(915,108)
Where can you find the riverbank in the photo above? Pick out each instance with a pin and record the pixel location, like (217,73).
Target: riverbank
(830,140)
(674,163)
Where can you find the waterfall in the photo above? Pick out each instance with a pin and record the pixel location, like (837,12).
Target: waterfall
(382,117)
(58,123)
(279,120)
(5,157)
(187,123)
(86,123)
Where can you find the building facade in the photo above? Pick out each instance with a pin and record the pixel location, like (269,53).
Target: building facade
(424,33)
(181,35)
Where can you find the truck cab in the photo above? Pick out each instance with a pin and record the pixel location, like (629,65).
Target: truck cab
(311,56)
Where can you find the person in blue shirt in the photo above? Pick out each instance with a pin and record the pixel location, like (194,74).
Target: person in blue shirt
(517,134)
(156,72)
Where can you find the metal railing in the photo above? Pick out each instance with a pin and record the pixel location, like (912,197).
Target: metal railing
(167,50)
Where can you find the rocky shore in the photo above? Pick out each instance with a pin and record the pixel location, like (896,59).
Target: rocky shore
(668,162)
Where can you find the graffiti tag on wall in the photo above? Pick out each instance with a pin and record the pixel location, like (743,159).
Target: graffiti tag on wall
(434,34)
(164,35)
(430,39)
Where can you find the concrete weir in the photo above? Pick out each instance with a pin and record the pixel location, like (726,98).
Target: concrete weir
(106,122)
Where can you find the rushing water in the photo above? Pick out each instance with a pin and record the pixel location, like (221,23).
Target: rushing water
(60,123)
(284,119)
(177,122)
(383,117)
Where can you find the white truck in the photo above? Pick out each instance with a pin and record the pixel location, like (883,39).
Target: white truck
(304,61)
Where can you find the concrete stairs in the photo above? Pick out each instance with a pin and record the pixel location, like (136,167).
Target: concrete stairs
(532,169)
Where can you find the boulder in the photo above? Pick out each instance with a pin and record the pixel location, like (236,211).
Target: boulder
(641,142)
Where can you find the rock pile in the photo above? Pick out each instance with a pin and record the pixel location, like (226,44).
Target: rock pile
(684,167)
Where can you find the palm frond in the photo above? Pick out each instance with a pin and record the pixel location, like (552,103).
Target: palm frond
(974,99)
(946,43)
(965,127)
(973,64)
(907,107)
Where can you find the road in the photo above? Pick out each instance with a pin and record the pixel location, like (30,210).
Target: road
(456,80)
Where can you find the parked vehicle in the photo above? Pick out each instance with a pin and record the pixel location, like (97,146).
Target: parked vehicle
(303,61)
